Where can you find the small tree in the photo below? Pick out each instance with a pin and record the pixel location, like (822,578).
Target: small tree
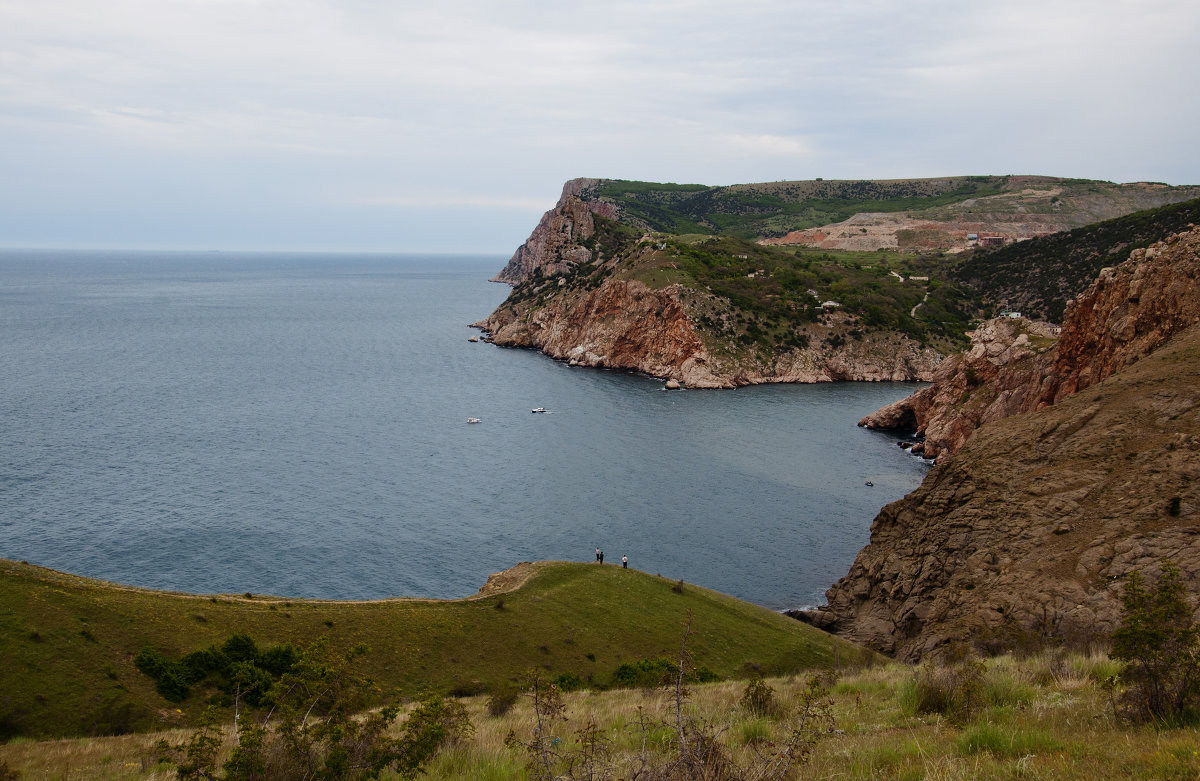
(1160,645)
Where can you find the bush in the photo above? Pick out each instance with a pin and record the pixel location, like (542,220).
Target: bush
(314,732)
(646,673)
(502,701)
(241,670)
(1160,646)
(954,690)
(569,682)
(758,698)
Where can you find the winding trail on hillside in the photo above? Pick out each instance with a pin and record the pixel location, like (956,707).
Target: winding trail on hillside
(913,312)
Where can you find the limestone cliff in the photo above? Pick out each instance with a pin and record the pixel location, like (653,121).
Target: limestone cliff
(587,293)
(1089,467)
(554,246)
(1014,366)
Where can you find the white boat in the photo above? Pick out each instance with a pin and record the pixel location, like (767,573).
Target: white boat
(474,420)
(539,409)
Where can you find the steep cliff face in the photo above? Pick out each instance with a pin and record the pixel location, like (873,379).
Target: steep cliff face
(554,246)
(1026,534)
(621,324)
(1089,468)
(1130,311)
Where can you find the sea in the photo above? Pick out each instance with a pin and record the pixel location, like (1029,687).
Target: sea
(295,424)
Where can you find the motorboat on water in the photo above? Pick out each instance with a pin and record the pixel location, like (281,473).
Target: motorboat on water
(474,420)
(538,409)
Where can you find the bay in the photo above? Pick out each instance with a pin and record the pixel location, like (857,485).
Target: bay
(295,424)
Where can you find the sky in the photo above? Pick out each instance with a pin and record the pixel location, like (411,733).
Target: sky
(397,126)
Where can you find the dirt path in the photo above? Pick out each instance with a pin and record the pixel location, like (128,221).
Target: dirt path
(913,313)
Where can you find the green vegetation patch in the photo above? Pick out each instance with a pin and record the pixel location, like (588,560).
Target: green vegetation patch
(773,209)
(1038,277)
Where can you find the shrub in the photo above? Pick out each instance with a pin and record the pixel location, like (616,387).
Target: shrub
(953,690)
(502,701)
(758,698)
(1160,646)
(315,733)
(646,673)
(569,682)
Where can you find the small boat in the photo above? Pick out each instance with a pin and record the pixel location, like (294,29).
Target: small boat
(474,420)
(869,483)
(538,409)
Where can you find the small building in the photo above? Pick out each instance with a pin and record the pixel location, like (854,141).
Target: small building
(829,306)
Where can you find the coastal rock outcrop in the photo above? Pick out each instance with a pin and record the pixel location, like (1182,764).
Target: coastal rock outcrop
(554,246)
(1088,471)
(621,324)
(1016,366)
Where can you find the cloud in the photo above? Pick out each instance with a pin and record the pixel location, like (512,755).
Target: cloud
(492,106)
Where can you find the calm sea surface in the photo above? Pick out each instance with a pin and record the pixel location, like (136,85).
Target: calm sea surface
(295,425)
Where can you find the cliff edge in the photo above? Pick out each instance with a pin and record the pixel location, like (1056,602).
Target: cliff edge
(1088,468)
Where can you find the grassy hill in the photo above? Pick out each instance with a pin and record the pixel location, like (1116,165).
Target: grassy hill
(69,643)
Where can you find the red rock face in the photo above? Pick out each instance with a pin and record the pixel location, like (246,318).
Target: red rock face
(1129,312)
(621,324)
(1126,314)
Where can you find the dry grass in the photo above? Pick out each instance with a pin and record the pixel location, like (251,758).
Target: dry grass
(1043,718)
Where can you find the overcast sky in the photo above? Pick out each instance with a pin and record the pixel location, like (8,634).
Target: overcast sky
(400,126)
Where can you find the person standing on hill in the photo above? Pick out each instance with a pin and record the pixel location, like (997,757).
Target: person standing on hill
(597,554)
(601,557)
(624,562)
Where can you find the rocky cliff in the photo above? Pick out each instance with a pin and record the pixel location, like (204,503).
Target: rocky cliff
(1016,366)
(1025,534)
(554,246)
(592,292)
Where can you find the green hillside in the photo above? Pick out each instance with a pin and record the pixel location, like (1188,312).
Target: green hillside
(69,643)
(1038,277)
(751,211)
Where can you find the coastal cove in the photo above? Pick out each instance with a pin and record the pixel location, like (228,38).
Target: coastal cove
(295,424)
